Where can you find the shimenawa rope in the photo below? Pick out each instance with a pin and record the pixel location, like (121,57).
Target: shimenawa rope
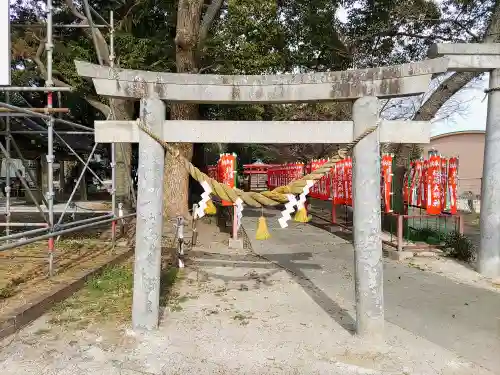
(251,198)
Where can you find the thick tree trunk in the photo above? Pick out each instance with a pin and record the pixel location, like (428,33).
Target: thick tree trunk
(176,178)
(122,110)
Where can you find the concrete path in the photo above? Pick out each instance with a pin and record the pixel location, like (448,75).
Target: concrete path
(458,318)
(235,313)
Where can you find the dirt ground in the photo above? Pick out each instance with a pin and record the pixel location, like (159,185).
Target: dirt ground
(24,270)
(229,312)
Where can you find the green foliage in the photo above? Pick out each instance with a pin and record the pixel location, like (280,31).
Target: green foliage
(427,235)
(247,37)
(460,247)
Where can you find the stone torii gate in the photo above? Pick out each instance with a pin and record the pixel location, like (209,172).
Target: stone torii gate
(363,86)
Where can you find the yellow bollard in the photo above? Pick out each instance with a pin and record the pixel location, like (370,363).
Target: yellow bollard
(210,209)
(262,231)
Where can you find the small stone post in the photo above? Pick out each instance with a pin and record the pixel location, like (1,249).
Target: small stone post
(149,225)
(367,223)
(489,251)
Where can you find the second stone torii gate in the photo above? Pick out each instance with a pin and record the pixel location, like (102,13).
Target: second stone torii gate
(362,86)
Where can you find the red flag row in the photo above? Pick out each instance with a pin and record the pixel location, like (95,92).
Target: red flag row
(336,185)
(283,174)
(432,184)
(322,188)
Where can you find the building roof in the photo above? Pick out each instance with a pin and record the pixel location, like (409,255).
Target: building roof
(460,132)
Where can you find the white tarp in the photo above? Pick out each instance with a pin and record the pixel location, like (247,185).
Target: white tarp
(5,51)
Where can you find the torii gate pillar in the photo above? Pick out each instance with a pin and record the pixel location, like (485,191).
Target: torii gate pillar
(149,219)
(484,57)
(489,252)
(368,269)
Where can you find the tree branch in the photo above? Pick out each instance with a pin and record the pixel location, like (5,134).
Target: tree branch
(449,87)
(101,107)
(102,46)
(207,21)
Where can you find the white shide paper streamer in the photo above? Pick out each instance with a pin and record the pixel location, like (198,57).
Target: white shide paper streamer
(239,212)
(287,212)
(205,197)
(305,191)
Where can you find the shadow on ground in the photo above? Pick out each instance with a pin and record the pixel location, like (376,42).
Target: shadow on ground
(293,264)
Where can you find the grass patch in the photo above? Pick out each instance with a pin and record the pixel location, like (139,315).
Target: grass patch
(428,235)
(107,297)
(7,291)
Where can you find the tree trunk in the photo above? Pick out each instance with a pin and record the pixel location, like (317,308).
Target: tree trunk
(176,178)
(122,110)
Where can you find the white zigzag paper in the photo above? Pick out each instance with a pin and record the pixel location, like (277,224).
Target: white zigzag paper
(205,197)
(239,211)
(286,213)
(305,191)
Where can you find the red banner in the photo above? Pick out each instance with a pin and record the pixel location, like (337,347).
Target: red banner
(387,181)
(338,184)
(424,179)
(321,189)
(226,172)
(434,186)
(348,181)
(444,177)
(452,184)
(283,174)
(430,184)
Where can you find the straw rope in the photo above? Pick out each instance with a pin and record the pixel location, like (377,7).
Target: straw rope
(251,198)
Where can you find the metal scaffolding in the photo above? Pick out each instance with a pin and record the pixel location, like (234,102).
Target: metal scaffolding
(48,229)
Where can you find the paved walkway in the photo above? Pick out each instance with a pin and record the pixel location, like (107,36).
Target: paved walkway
(233,313)
(459,318)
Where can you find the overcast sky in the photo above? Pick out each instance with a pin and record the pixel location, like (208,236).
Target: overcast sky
(472,112)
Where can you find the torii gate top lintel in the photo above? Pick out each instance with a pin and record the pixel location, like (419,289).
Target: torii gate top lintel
(383,82)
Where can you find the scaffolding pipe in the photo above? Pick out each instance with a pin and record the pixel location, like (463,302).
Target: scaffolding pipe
(39,110)
(7,170)
(113,147)
(26,225)
(45,131)
(50,138)
(45,117)
(25,184)
(34,88)
(101,19)
(24,234)
(88,14)
(85,221)
(27,169)
(77,184)
(58,233)
(16,114)
(79,158)
(71,149)
(59,26)
(40,230)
